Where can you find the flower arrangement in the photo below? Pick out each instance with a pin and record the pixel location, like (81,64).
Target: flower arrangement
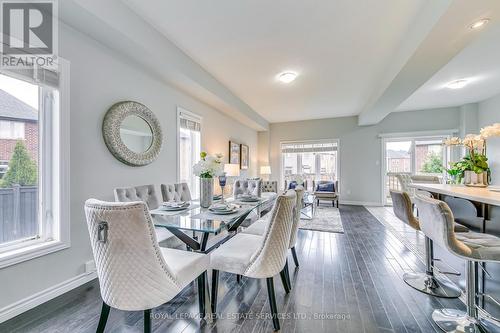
(209,166)
(475,160)
(491,131)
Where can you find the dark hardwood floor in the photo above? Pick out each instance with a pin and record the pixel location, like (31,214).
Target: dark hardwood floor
(347,282)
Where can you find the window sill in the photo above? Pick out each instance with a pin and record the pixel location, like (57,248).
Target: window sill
(29,252)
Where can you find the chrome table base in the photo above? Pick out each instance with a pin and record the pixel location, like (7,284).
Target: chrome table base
(431,285)
(451,320)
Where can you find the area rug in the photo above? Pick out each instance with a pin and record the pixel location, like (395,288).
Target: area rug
(326,219)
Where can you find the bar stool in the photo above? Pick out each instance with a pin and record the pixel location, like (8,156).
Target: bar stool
(425,282)
(437,223)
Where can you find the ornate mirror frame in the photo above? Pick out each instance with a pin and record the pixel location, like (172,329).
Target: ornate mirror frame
(111,133)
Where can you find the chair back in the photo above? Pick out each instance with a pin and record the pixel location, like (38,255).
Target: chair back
(402,207)
(132,273)
(175,192)
(269,186)
(299,191)
(144,193)
(248,186)
(437,223)
(320,182)
(270,259)
(287,184)
(404,181)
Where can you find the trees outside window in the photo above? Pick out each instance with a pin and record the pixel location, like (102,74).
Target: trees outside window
(22,169)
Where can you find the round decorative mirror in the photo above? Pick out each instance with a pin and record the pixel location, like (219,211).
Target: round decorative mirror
(132,133)
(136,134)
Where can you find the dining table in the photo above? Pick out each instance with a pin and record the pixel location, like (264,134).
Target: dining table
(185,224)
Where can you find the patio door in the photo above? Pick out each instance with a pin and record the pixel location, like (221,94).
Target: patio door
(412,156)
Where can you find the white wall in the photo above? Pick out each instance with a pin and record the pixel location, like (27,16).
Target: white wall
(100,78)
(360,146)
(489,113)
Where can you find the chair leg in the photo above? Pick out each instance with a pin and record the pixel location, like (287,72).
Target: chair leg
(104,318)
(453,320)
(287,272)
(333,203)
(215,287)
(201,294)
(272,303)
(238,278)
(147,321)
(284,280)
(427,282)
(294,255)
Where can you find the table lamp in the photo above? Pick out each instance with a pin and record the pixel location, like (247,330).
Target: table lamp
(265,170)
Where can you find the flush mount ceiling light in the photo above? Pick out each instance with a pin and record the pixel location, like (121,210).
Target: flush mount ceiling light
(457,84)
(479,24)
(287,77)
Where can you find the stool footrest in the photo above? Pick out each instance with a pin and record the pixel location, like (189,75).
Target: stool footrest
(432,285)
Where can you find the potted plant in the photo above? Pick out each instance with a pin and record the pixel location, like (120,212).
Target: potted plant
(207,168)
(473,168)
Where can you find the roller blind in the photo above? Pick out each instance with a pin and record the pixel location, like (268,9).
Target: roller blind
(189,123)
(34,74)
(308,147)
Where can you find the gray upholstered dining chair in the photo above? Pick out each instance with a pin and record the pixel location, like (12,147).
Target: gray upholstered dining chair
(176,192)
(134,273)
(247,186)
(437,222)
(465,212)
(260,257)
(426,282)
(259,227)
(269,186)
(147,194)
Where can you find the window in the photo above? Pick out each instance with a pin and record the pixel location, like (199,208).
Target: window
(412,156)
(34,135)
(189,149)
(11,129)
(311,160)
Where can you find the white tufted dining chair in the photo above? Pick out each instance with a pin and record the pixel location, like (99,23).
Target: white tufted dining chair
(147,194)
(248,186)
(134,273)
(258,256)
(175,192)
(259,227)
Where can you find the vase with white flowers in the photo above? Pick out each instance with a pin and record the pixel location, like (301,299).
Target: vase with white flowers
(207,168)
(473,169)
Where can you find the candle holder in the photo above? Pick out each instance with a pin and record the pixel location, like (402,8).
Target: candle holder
(222,183)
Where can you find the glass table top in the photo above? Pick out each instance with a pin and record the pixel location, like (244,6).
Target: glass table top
(200,219)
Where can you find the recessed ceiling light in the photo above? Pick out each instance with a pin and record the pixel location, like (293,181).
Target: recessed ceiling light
(457,84)
(479,24)
(287,77)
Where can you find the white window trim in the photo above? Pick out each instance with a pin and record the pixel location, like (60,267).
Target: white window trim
(61,188)
(338,164)
(181,112)
(390,137)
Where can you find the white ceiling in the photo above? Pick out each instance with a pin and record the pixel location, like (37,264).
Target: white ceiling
(339,48)
(479,62)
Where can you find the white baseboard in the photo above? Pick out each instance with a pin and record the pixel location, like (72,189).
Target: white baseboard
(360,203)
(28,303)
